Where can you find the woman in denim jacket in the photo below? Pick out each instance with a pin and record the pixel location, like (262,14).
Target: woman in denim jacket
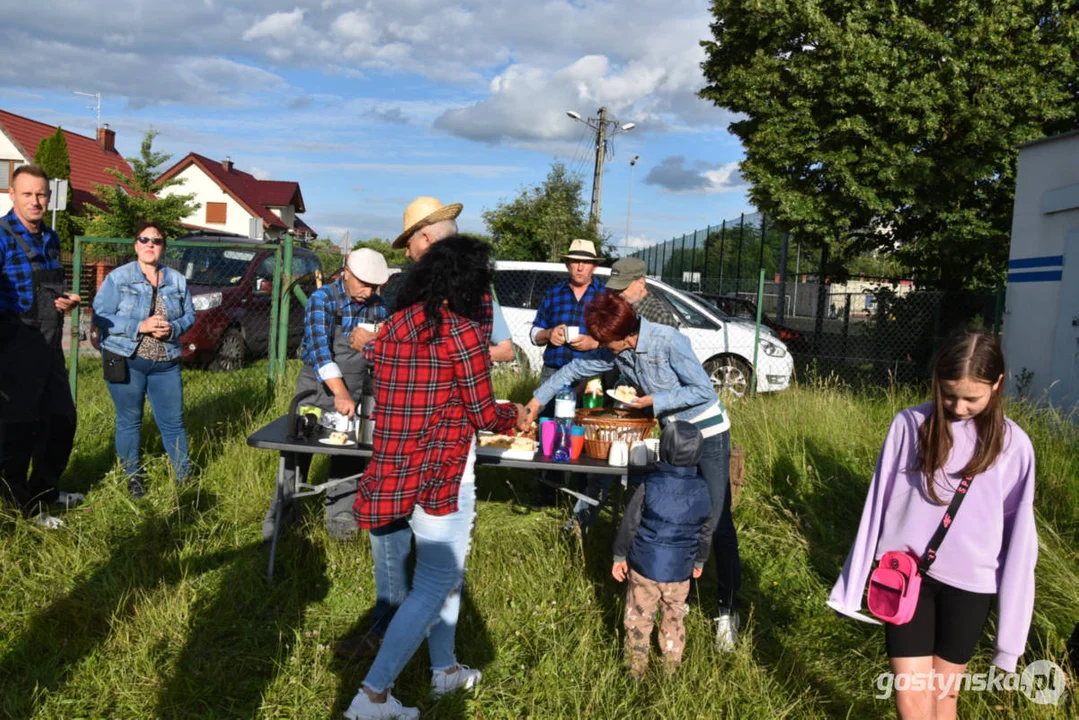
(659,361)
(142,309)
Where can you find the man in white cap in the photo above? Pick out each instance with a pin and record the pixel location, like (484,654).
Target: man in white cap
(334,370)
(427,221)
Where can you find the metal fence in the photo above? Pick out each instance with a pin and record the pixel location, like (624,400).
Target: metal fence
(865,330)
(249,299)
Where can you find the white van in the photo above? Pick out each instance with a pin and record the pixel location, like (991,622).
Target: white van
(724,344)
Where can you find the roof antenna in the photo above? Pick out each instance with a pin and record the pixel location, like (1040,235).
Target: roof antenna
(96,108)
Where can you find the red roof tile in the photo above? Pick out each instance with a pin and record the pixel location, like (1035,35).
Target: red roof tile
(88,159)
(256,196)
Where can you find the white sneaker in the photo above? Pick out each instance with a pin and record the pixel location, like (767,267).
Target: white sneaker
(727,631)
(49,522)
(69,499)
(361,708)
(443,682)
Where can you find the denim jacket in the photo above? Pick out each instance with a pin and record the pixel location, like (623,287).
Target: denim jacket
(123,302)
(664,366)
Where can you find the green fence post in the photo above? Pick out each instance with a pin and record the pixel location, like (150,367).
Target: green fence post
(998,312)
(282,328)
(275,311)
(76,271)
(757,335)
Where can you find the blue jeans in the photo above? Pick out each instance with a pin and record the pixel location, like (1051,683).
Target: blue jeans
(431,607)
(715,467)
(161,381)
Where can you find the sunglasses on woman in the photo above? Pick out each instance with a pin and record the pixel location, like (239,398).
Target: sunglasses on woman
(143,240)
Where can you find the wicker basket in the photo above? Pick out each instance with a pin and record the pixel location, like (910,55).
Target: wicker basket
(600,432)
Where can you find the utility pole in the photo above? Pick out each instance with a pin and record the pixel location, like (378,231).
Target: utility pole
(597,171)
(605,128)
(629,203)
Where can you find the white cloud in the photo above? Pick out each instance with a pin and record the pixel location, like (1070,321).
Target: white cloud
(276,26)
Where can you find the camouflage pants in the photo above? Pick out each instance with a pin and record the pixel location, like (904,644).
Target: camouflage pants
(644,598)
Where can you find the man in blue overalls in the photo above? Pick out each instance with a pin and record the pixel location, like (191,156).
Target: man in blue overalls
(333,371)
(36,405)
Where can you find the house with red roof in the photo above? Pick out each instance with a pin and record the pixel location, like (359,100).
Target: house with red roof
(91,158)
(229,199)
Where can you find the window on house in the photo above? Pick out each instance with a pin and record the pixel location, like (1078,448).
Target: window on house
(6,168)
(215,213)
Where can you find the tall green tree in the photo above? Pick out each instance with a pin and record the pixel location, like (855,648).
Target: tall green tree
(53,158)
(542,220)
(894,125)
(385,247)
(136,198)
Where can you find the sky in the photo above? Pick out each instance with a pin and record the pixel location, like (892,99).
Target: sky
(370,104)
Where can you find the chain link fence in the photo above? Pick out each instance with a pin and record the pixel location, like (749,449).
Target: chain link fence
(864,330)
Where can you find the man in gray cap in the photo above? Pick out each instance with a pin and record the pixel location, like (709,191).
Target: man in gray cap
(628,280)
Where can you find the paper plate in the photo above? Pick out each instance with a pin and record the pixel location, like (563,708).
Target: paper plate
(611,394)
(326,441)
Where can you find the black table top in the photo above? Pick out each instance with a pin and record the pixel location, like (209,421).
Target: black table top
(274,437)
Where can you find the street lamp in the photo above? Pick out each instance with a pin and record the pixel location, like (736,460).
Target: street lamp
(629,202)
(604,128)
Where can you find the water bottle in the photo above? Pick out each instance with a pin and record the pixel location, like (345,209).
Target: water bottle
(565,405)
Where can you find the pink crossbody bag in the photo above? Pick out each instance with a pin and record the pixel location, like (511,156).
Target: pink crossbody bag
(896,581)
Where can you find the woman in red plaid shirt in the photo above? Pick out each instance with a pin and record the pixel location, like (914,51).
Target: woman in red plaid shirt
(432,393)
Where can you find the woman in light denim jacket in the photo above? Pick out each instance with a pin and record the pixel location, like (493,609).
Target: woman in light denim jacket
(142,309)
(659,361)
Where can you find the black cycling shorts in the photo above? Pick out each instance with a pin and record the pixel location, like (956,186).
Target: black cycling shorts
(947,623)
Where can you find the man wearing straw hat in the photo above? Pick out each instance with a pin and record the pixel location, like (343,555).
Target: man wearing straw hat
(559,325)
(427,221)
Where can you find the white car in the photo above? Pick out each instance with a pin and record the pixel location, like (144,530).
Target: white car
(723,344)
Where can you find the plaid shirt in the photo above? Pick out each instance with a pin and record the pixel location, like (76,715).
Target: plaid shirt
(432,392)
(16,285)
(560,306)
(321,314)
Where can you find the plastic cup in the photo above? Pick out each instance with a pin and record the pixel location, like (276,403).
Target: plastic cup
(547,433)
(576,442)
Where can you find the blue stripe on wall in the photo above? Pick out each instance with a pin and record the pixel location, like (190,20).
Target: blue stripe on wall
(1033,262)
(1042,276)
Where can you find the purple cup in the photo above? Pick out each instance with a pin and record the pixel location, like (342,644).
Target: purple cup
(547,432)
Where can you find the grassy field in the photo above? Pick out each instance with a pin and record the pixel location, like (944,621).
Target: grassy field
(161,609)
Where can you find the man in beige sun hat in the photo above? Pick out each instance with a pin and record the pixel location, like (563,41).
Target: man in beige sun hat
(427,221)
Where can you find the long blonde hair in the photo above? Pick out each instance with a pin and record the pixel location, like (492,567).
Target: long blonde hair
(977,356)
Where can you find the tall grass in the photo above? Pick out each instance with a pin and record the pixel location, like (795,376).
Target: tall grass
(161,609)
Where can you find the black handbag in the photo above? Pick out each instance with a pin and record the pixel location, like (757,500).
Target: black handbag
(113,366)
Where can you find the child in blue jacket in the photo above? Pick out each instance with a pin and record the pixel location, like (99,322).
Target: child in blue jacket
(664,540)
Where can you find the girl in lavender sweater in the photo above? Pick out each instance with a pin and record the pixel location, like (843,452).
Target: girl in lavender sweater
(991,547)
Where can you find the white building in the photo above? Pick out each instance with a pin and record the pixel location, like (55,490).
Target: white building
(1041,323)
(229,199)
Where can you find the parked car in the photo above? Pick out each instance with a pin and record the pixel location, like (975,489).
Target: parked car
(740,307)
(723,345)
(231,288)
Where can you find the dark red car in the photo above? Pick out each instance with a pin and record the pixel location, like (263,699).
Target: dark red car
(231,290)
(742,308)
